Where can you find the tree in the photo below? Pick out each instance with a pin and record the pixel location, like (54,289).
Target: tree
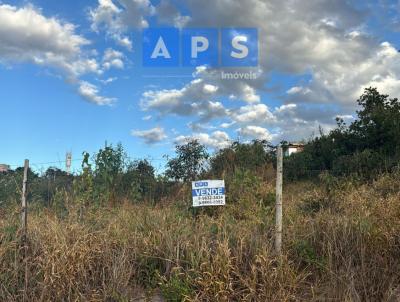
(189,161)
(139,179)
(378,124)
(52,181)
(110,163)
(10,186)
(370,145)
(248,156)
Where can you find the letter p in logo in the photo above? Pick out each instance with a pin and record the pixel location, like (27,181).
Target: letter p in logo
(200,47)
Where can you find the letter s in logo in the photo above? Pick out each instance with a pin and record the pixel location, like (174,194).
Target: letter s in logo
(244,50)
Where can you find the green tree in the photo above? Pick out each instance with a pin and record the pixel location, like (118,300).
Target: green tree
(244,156)
(189,161)
(52,181)
(378,123)
(368,146)
(139,180)
(110,163)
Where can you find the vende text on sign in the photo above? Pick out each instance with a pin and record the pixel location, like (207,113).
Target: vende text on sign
(208,193)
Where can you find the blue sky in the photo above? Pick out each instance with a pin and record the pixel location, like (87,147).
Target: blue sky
(71,74)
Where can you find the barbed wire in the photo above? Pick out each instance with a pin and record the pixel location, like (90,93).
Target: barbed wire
(46,163)
(41,166)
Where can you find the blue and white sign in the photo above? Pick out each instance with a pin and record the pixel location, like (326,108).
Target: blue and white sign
(208,193)
(191,47)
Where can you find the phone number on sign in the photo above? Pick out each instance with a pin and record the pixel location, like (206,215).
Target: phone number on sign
(210,199)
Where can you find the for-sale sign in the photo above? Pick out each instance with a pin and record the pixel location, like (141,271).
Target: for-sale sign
(208,193)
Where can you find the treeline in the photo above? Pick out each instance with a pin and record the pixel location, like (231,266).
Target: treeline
(110,177)
(370,145)
(367,147)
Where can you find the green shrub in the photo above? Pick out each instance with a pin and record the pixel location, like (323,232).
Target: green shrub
(175,288)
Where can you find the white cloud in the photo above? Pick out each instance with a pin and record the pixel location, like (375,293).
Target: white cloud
(344,83)
(255,132)
(208,88)
(26,26)
(90,93)
(124,42)
(167,13)
(325,41)
(227,125)
(27,36)
(165,101)
(193,99)
(198,96)
(258,113)
(150,136)
(215,140)
(105,14)
(249,94)
(298,90)
(113,59)
(209,110)
(116,17)
(108,80)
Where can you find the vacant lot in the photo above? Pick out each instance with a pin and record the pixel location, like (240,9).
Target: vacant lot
(341,243)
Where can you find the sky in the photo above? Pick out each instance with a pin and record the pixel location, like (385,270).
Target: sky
(72,75)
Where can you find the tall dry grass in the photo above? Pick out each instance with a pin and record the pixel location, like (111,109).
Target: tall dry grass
(340,244)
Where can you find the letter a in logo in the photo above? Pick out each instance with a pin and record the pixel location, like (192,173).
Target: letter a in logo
(160,47)
(160,50)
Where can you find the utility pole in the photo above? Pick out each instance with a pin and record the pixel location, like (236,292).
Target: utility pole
(24,221)
(68,161)
(278,205)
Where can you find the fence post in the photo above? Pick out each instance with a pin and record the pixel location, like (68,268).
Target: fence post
(24,221)
(278,204)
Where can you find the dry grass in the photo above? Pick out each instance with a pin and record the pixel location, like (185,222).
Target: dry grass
(341,245)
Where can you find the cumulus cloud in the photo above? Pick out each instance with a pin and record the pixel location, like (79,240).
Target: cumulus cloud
(191,99)
(150,136)
(113,59)
(27,36)
(90,93)
(115,18)
(259,114)
(106,16)
(322,39)
(342,84)
(197,97)
(255,132)
(325,44)
(108,80)
(289,121)
(167,13)
(215,140)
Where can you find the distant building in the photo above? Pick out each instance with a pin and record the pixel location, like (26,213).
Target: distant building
(4,168)
(293,148)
